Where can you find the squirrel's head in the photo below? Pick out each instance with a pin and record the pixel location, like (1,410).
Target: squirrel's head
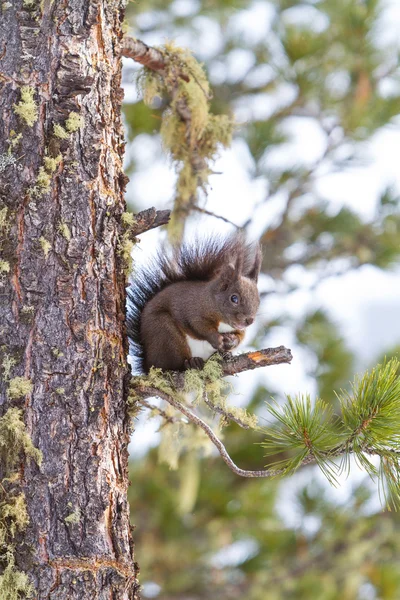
(235,292)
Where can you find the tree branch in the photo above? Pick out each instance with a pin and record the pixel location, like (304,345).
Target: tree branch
(232,365)
(146,220)
(142,53)
(149,392)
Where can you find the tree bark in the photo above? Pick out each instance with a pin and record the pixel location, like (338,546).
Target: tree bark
(62,288)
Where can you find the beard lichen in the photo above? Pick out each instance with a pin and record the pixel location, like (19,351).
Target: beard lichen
(190,133)
(14,442)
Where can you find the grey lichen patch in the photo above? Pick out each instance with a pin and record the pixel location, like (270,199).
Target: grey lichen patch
(46,246)
(74,122)
(18,387)
(27,108)
(60,132)
(6,160)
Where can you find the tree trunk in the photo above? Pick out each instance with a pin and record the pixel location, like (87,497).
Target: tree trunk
(62,288)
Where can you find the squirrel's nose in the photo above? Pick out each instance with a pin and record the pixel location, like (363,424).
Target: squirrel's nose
(249,321)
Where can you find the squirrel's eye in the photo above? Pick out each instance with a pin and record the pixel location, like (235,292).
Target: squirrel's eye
(235,299)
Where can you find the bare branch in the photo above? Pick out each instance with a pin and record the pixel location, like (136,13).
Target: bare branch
(142,53)
(232,365)
(146,220)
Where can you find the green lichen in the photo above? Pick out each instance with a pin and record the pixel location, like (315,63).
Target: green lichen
(14,140)
(43,182)
(125,248)
(74,517)
(8,363)
(4,266)
(3,219)
(50,164)
(60,132)
(64,230)
(57,353)
(74,122)
(19,386)
(128,219)
(46,246)
(27,108)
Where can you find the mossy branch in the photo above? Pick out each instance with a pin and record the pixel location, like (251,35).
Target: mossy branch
(190,132)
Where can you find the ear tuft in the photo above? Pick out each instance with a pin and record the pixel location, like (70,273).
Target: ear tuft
(255,269)
(227,275)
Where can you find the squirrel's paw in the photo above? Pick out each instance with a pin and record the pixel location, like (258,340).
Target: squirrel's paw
(229,341)
(194,363)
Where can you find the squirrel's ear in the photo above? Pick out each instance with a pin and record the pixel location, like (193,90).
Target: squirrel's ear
(226,276)
(255,269)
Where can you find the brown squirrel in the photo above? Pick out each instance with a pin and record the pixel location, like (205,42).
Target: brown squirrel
(192,302)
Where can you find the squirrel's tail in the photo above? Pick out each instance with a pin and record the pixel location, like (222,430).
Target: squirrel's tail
(199,260)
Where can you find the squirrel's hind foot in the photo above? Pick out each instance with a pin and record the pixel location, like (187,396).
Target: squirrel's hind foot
(194,363)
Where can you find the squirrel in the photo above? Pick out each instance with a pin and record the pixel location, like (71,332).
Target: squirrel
(193,301)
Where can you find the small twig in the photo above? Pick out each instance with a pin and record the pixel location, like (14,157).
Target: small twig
(168,418)
(148,219)
(211,214)
(226,414)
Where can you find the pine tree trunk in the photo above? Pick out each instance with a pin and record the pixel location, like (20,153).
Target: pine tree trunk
(62,291)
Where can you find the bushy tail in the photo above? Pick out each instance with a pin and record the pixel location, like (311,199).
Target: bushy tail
(199,260)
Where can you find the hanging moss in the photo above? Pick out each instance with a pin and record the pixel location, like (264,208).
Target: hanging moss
(14,442)
(27,108)
(14,439)
(14,585)
(190,133)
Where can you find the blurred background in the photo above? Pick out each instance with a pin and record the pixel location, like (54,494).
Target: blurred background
(313,172)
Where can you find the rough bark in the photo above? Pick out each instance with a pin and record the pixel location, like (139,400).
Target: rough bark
(62,293)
